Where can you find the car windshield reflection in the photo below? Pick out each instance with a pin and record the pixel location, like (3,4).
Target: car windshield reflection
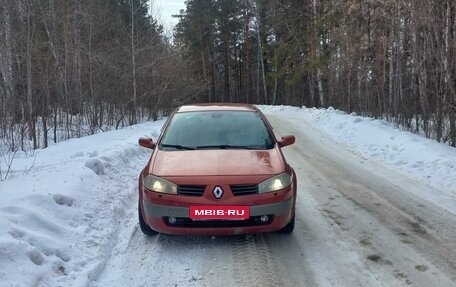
(216,130)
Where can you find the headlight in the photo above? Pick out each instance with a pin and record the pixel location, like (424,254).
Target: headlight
(158,184)
(275,183)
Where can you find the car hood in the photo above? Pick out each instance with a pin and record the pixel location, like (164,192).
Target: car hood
(216,162)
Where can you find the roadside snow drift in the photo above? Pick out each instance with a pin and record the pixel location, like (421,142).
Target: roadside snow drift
(427,161)
(60,221)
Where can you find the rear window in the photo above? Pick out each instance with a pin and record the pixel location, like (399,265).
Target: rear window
(216,130)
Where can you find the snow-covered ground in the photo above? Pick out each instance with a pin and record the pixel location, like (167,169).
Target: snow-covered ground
(61,213)
(59,220)
(427,161)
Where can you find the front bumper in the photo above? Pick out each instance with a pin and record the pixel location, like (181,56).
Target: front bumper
(155,210)
(156,215)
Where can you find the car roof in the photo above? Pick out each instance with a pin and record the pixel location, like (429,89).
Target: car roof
(217,107)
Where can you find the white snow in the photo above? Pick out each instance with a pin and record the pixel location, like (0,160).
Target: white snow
(427,161)
(59,222)
(61,211)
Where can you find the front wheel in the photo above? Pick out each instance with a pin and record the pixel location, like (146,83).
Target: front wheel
(143,225)
(289,227)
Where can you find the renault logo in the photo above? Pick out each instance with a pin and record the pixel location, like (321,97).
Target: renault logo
(218,192)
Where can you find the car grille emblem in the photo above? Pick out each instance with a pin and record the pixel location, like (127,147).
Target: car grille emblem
(218,192)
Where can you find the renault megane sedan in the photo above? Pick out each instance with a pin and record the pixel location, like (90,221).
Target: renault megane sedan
(217,169)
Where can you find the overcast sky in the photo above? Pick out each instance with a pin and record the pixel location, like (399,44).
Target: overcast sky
(164,9)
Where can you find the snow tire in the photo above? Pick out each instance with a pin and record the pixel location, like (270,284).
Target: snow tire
(289,227)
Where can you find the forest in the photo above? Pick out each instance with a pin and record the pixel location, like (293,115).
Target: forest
(71,68)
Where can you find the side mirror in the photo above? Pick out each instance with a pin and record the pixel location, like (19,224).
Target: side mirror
(287,140)
(146,142)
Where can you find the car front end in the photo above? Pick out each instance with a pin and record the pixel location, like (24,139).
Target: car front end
(217,185)
(217,205)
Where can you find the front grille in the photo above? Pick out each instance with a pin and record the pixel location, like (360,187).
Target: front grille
(191,190)
(189,223)
(244,189)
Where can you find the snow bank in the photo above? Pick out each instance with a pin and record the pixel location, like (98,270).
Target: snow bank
(60,220)
(426,160)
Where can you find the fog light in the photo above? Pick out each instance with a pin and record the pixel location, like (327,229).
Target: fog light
(264,218)
(172,220)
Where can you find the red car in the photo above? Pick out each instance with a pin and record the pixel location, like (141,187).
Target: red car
(217,169)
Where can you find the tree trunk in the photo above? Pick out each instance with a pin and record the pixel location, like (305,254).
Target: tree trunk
(317,53)
(226,75)
(203,63)
(30,111)
(6,54)
(133,63)
(247,83)
(260,58)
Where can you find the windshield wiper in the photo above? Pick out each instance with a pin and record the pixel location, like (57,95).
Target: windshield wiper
(227,146)
(177,146)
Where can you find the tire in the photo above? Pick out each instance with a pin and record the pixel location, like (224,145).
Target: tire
(289,227)
(143,225)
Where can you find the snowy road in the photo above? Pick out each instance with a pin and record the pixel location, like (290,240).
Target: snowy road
(358,224)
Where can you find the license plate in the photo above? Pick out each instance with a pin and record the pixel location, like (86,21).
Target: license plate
(219,212)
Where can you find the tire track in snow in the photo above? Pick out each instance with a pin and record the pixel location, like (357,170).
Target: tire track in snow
(254,262)
(403,238)
(129,256)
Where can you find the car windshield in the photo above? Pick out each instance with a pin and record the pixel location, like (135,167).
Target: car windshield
(216,130)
